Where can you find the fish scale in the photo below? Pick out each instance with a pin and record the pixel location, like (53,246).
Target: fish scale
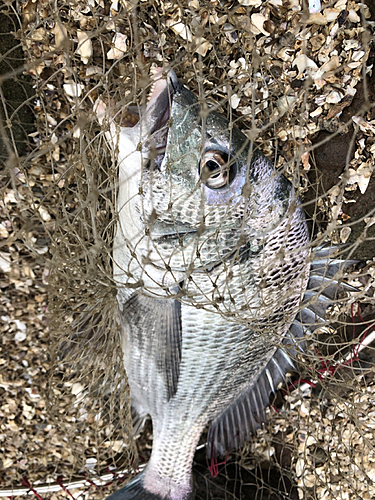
(212,262)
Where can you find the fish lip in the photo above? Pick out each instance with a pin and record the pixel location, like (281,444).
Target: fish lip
(157,236)
(153,123)
(201,269)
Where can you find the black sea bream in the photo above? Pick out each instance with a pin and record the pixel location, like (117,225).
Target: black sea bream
(212,261)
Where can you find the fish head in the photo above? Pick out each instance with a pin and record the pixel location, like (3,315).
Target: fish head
(213,173)
(200,188)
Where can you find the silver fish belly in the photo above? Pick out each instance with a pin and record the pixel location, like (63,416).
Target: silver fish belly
(211,263)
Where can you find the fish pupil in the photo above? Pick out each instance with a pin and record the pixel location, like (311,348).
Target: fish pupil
(213,166)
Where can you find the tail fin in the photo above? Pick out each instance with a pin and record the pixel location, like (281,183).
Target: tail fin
(134,491)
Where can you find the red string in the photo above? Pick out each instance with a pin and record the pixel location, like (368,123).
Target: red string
(369,327)
(214,467)
(353,320)
(91,483)
(298,382)
(25,482)
(59,481)
(331,368)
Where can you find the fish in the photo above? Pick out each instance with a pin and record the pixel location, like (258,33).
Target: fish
(216,282)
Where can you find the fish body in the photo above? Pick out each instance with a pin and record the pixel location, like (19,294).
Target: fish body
(211,259)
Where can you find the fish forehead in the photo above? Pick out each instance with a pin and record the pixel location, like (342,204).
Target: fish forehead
(193,131)
(187,114)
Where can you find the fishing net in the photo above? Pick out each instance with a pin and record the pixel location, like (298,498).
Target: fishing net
(299,81)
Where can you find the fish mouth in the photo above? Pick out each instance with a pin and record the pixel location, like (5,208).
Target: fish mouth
(162,232)
(154,123)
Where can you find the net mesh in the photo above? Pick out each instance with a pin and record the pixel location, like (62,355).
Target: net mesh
(301,86)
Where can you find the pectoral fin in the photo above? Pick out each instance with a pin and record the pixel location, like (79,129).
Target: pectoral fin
(154,328)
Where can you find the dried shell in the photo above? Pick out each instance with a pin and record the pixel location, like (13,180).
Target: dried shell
(351,44)
(203,46)
(335,110)
(345,233)
(194,4)
(100,110)
(333,97)
(253,3)
(305,160)
(77,388)
(180,29)
(300,467)
(20,336)
(318,111)
(234,101)
(5,262)
(285,103)
(328,66)
(21,327)
(334,191)
(119,48)
(38,35)
(331,14)
(314,6)
(257,21)
(303,62)
(93,70)
(353,65)
(370,221)
(353,16)
(4,233)
(340,4)
(84,46)
(317,18)
(61,35)
(361,176)
(365,126)
(317,41)
(230,33)
(73,89)
(357,55)
(282,135)
(285,54)
(43,213)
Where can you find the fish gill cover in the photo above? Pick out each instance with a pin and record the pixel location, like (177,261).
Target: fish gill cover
(297,79)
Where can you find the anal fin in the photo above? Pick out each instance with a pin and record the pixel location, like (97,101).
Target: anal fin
(246,414)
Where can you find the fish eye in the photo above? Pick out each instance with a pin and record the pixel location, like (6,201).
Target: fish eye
(216,170)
